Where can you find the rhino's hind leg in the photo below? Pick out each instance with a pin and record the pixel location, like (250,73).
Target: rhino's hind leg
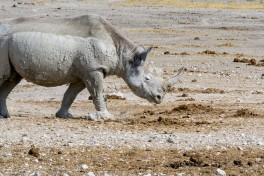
(5,88)
(73,90)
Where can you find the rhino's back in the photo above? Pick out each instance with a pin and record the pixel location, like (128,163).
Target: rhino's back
(44,58)
(82,26)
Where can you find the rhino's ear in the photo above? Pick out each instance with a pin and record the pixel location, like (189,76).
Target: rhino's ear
(141,57)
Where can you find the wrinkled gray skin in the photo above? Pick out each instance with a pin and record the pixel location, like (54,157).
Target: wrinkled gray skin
(79,51)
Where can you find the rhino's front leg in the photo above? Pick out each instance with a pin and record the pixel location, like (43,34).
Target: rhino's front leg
(94,84)
(73,90)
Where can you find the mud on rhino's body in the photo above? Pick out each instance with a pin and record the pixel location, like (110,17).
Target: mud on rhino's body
(80,51)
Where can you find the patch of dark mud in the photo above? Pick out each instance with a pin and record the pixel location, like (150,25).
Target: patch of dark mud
(186,99)
(131,161)
(232,161)
(195,160)
(179,109)
(232,28)
(190,108)
(191,116)
(111,97)
(204,91)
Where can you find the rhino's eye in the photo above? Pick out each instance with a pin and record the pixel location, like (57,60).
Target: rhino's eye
(146,78)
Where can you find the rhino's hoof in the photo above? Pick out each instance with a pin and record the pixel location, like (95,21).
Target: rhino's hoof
(100,115)
(64,115)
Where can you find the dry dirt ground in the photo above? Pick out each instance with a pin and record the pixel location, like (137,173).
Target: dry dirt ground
(213,118)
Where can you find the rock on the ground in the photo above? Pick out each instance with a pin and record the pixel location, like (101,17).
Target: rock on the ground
(83,167)
(90,174)
(220,172)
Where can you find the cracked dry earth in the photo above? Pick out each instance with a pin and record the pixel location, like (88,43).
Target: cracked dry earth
(213,118)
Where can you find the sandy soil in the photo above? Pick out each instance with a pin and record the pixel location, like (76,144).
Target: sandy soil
(213,118)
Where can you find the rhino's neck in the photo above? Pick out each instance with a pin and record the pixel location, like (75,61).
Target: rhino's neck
(124,49)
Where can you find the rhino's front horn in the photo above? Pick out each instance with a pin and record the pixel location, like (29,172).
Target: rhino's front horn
(171,81)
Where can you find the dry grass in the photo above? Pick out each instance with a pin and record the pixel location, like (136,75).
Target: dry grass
(226,45)
(42,2)
(157,31)
(189,4)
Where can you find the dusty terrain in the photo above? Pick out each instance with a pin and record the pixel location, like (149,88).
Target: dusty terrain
(213,118)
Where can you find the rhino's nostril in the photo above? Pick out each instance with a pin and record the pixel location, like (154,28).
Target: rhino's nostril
(158,97)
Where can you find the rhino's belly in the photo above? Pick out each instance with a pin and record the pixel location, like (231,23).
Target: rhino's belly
(43,59)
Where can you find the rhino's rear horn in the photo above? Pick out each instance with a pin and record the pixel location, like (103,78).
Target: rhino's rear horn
(171,81)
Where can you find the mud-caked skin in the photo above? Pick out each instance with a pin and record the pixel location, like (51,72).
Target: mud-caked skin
(80,52)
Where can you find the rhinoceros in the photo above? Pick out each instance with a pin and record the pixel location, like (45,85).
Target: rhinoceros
(78,51)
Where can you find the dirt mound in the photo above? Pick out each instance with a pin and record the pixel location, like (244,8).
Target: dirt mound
(192,107)
(170,53)
(179,109)
(245,112)
(208,52)
(249,61)
(212,90)
(176,118)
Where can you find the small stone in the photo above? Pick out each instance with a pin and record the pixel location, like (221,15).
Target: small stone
(196,38)
(248,77)
(258,160)
(170,141)
(117,96)
(34,152)
(238,163)
(70,144)
(239,148)
(83,167)
(253,62)
(220,172)
(236,60)
(147,175)
(250,163)
(180,174)
(37,173)
(90,174)
(184,95)
(208,147)
(7,154)
(260,143)
(166,52)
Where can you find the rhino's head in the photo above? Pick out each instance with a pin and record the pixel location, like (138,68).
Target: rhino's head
(144,85)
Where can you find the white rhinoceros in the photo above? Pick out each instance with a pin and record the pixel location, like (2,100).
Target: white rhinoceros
(79,51)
